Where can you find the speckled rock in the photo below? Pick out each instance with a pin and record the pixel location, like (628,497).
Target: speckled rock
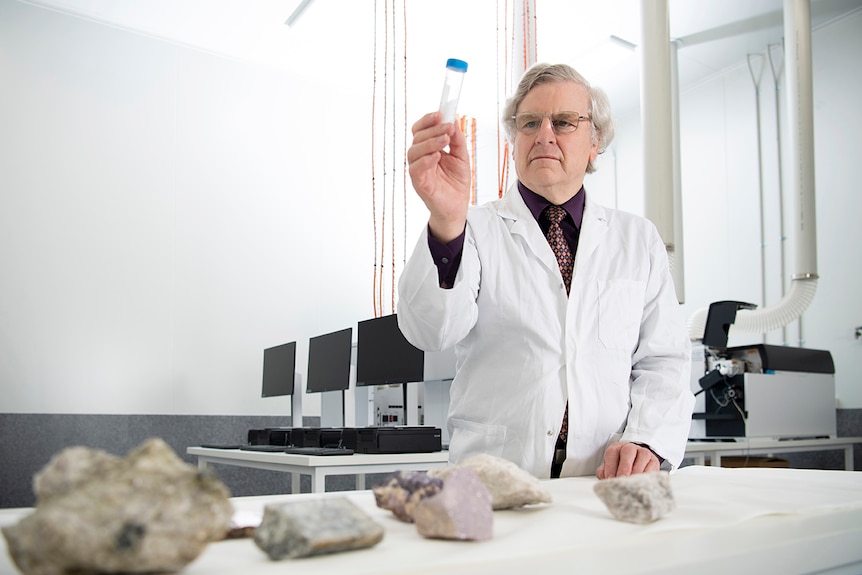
(403,490)
(315,527)
(640,498)
(461,510)
(97,513)
(510,486)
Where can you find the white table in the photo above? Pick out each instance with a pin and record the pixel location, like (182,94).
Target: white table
(699,450)
(319,467)
(787,521)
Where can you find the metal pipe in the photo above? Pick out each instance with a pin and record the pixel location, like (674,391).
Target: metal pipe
(677,269)
(777,71)
(755,78)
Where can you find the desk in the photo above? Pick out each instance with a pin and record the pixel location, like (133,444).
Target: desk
(318,466)
(788,521)
(698,450)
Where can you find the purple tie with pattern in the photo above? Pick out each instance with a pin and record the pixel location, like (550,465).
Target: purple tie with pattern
(566,261)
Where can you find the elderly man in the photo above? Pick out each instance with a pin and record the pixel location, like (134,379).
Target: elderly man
(572,353)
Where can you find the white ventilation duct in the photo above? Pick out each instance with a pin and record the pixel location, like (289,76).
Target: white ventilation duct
(799,97)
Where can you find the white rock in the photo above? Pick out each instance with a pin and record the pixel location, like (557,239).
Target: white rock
(510,486)
(640,498)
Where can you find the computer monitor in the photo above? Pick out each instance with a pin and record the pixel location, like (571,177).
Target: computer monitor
(383,354)
(329,361)
(279,365)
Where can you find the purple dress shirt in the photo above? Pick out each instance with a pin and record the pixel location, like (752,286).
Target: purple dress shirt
(447,256)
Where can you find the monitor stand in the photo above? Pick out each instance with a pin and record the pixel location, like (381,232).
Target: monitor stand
(296,401)
(332,409)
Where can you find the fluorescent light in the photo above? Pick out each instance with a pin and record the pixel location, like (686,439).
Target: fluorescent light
(291,20)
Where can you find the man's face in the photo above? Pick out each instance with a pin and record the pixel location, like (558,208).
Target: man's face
(553,165)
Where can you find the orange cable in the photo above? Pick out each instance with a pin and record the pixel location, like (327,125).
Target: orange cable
(404,138)
(373,168)
(394,171)
(473,182)
(385,123)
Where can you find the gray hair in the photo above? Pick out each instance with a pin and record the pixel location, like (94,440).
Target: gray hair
(602,126)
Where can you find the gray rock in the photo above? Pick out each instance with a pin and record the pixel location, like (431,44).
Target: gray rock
(97,513)
(403,490)
(461,510)
(315,527)
(509,485)
(640,498)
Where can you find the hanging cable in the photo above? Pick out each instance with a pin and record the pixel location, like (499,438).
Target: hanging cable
(404,137)
(373,167)
(534,35)
(474,161)
(526,16)
(394,170)
(385,157)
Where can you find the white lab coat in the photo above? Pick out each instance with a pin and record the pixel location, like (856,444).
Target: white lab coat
(617,349)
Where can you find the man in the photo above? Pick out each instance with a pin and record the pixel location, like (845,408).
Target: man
(606,356)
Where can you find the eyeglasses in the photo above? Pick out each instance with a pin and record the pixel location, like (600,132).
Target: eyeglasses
(561,122)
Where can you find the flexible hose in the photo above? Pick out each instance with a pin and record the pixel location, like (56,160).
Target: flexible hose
(790,308)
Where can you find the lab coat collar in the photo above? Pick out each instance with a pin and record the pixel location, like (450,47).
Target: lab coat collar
(522,223)
(593,226)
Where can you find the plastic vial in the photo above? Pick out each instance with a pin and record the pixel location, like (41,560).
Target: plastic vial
(455,70)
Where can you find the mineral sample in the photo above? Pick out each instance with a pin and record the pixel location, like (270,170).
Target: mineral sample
(640,498)
(97,513)
(461,510)
(315,527)
(510,486)
(403,490)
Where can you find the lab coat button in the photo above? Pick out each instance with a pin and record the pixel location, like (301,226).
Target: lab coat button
(550,433)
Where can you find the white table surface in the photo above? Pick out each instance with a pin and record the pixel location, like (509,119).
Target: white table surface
(782,521)
(319,467)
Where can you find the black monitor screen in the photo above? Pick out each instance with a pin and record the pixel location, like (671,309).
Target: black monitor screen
(329,361)
(383,354)
(279,363)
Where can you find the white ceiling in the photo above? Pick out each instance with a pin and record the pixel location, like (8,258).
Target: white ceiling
(714,34)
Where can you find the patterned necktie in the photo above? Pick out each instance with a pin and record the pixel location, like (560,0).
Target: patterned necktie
(559,245)
(566,261)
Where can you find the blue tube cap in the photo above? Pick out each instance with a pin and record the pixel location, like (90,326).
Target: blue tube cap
(457,65)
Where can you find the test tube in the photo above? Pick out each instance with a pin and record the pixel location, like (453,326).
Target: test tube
(455,70)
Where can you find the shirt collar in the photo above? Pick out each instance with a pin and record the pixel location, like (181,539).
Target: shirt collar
(537,204)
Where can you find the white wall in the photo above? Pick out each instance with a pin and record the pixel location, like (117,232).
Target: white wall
(156,209)
(156,221)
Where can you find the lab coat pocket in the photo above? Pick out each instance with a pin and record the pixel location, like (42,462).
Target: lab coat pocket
(620,311)
(470,438)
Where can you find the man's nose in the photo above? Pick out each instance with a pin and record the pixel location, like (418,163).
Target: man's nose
(546,132)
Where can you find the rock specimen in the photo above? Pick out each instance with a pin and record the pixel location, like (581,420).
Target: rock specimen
(97,513)
(315,527)
(461,510)
(510,486)
(640,498)
(403,490)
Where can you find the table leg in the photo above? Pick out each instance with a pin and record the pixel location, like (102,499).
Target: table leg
(848,458)
(360,482)
(318,481)
(294,483)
